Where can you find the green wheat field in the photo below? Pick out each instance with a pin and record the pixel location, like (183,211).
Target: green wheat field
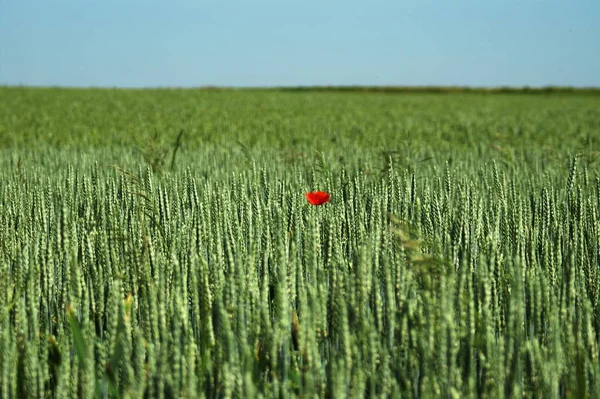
(158,244)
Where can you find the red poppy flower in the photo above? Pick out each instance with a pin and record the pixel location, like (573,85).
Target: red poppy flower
(317,197)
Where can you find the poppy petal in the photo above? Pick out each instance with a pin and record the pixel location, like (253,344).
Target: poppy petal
(317,197)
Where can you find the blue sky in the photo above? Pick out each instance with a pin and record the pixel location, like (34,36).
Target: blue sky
(131,43)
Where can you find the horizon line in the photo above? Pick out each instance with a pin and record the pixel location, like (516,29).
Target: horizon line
(352,88)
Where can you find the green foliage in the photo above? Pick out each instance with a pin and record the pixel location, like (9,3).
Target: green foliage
(458,256)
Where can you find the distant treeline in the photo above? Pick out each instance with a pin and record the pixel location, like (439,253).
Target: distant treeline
(351,89)
(445,89)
